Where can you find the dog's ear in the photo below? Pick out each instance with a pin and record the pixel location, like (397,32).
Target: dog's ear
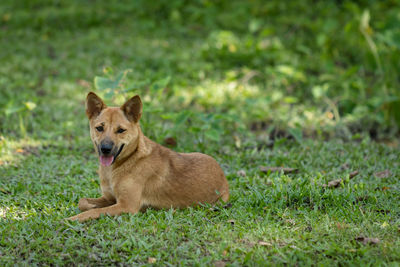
(133,109)
(94,105)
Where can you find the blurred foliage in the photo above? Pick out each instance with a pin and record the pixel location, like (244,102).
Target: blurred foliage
(206,67)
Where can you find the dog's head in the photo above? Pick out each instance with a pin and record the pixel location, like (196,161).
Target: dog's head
(113,128)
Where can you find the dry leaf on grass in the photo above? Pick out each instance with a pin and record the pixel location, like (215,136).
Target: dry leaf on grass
(219,264)
(353,174)
(2,190)
(334,183)
(151,260)
(367,240)
(28,150)
(345,166)
(278,169)
(227,205)
(337,182)
(342,225)
(383,174)
(241,173)
(362,198)
(264,244)
(84,83)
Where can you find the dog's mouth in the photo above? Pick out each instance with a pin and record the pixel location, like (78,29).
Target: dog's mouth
(107,160)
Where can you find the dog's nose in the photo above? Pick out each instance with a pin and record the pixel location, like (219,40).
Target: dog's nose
(106,147)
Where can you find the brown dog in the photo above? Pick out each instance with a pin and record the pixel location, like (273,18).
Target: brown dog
(136,172)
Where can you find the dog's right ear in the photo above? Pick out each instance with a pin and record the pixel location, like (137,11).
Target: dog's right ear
(94,105)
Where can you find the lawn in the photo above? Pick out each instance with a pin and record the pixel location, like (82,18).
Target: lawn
(316,90)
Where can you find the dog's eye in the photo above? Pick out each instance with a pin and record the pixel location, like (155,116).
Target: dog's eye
(99,128)
(120,130)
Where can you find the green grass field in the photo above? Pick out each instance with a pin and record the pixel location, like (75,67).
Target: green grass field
(253,84)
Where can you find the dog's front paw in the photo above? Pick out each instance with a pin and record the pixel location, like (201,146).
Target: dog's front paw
(73,218)
(84,204)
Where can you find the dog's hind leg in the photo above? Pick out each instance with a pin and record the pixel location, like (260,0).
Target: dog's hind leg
(93,203)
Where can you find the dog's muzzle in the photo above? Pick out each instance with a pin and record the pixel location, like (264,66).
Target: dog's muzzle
(108,152)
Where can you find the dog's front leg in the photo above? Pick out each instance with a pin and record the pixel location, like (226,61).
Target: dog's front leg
(113,210)
(128,195)
(92,203)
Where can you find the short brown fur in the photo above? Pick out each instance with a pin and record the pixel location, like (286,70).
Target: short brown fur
(145,174)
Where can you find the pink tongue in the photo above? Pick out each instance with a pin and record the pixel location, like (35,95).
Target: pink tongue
(106,161)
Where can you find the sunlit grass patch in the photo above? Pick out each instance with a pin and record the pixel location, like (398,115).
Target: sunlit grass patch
(13,151)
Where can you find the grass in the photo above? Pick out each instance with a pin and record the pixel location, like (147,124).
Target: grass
(222,84)
(299,219)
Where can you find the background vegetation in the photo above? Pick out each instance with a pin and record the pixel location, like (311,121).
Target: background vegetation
(311,85)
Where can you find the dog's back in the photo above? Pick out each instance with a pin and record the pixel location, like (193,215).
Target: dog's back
(182,179)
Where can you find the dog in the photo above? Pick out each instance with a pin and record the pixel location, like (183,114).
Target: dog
(137,173)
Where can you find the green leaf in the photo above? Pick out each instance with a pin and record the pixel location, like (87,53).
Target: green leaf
(213,134)
(102,83)
(297,133)
(161,84)
(109,94)
(11,110)
(182,117)
(30,105)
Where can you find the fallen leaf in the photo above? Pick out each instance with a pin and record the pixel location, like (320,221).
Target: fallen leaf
(247,242)
(264,244)
(290,221)
(241,173)
(337,182)
(227,206)
(216,208)
(353,174)
(333,184)
(345,166)
(278,169)
(27,150)
(151,260)
(391,143)
(238,143)
(231,221)
(342,225)
(219,264)
(84,83)
(224,253)
(170,141)
(367,240)
(362,198)
(384,225)
(4,191)
(383,174)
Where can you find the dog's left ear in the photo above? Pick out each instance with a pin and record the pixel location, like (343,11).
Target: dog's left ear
(133,109)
